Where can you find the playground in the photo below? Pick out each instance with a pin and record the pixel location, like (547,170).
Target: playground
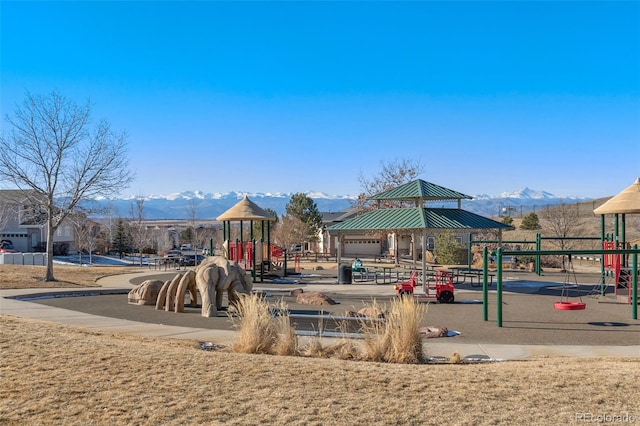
(529,317)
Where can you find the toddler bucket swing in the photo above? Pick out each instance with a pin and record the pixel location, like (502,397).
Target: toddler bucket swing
(564,304)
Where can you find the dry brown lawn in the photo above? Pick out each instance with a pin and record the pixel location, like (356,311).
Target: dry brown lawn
(55,374)
(20,276)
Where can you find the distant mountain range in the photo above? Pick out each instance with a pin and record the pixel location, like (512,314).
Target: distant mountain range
(212,205)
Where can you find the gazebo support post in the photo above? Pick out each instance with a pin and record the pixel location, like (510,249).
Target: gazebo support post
(253,251)
(269,244)
(485,291)
(469,255)
(262,259)
(414,249)
(634,283)
(423,241)
(338,253)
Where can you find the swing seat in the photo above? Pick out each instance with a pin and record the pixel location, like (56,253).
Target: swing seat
(569,306)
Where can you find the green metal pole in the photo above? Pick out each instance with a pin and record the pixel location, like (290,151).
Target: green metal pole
(253,259)
(262,259)
(602,240)
(634,283)
(499,285)
(240,250)
(623,240)
(538,248)
(469,258)
(485,292)
(284,264)
(253,251)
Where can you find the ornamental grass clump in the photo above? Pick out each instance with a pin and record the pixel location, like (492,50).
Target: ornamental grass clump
(397,339)
(260,331)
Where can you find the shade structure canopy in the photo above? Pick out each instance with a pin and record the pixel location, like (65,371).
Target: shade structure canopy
(626,202)
(418,218)
(420,190)
(246,209)
(415,219)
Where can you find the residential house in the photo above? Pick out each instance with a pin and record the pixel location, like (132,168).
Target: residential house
(24,222)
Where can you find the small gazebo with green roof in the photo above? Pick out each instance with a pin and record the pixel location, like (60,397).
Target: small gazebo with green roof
(420,191)
(417,220)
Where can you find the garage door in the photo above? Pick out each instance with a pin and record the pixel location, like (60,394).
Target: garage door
(362,247)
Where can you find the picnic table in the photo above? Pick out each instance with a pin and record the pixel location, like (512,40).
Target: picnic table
(384,274)
(474,274)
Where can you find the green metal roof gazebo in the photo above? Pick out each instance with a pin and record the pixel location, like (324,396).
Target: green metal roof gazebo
(418,219)
(415,219)
(420,190)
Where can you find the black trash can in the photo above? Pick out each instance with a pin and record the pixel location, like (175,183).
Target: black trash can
(344,274)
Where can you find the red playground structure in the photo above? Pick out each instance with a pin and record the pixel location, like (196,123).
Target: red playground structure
(623,276)
(244,254)
(441,289)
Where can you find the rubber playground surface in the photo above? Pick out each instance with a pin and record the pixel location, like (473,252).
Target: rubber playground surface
(528,314)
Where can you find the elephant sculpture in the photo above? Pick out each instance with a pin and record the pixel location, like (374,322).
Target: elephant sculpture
(214,276)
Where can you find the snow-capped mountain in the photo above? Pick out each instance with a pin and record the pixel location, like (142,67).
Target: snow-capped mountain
(510,203)
(525,194)
(211,205)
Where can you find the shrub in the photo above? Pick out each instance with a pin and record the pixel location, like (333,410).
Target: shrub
(448,250)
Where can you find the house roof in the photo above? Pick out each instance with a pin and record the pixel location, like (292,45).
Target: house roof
(420,190)
(17,195)
(246,209)
(627,201)
(334,217)
(415,218)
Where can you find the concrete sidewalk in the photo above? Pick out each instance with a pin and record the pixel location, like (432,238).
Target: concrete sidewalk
(443,347)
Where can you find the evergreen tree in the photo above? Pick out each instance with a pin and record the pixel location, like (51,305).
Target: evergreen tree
(305,209)
(121,241)
(531,222)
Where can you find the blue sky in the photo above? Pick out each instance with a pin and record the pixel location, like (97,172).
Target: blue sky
(307,96)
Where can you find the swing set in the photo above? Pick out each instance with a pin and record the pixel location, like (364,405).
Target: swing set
(564,303)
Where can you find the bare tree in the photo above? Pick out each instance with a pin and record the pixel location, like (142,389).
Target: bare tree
(86,234)
(139,234)
(165,238)
(53,148)
(393,173)
(561,221)
(290,230)
(196,234)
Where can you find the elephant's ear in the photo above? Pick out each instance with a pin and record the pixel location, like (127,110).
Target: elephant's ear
(208,275)
(240,286)
(248,283)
